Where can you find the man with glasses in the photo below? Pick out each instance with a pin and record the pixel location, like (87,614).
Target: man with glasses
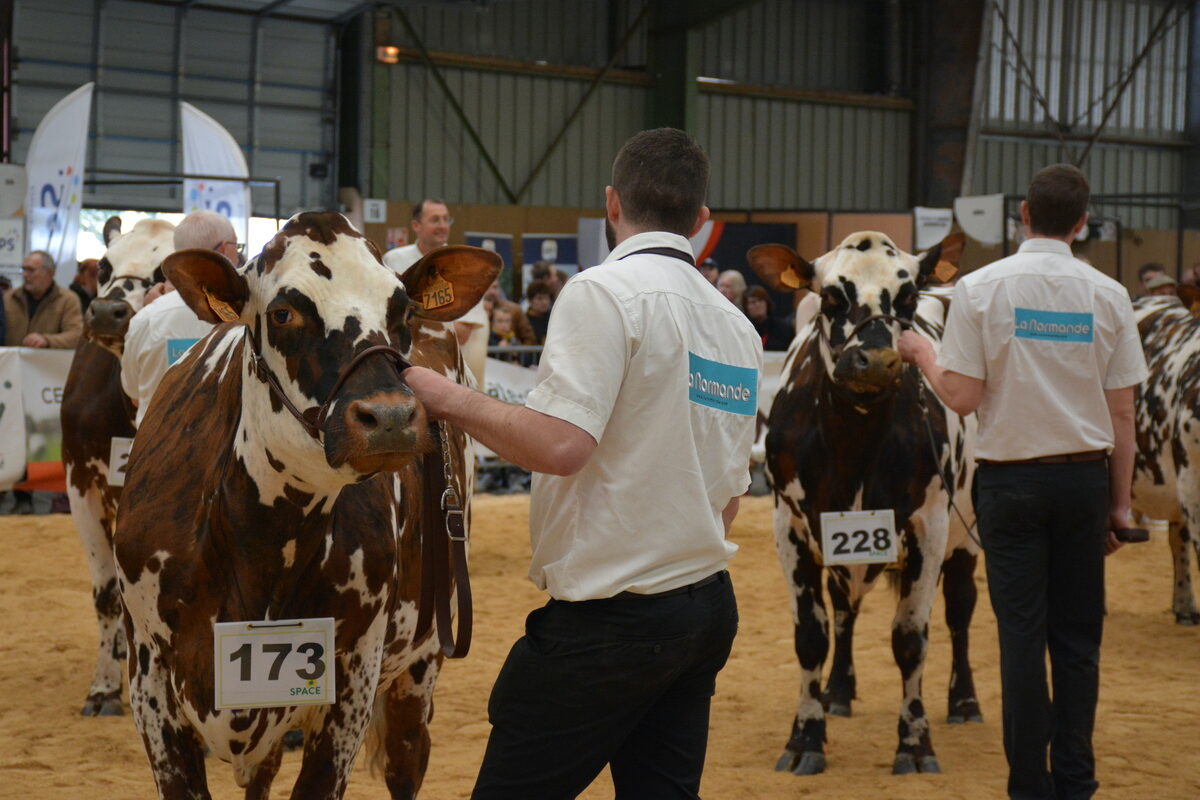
(41,313)
(431,222)
(165,328)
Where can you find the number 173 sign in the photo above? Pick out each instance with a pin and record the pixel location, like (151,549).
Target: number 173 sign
(858,537)
(287,662)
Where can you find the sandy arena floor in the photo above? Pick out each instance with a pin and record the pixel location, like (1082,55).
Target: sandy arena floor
(1146,739)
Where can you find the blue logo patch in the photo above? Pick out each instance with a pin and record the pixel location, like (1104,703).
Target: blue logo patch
(1053,326)
(177,347)
(722,386)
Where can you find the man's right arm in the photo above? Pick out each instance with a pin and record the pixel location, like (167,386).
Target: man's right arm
(1120,462)
(530,439)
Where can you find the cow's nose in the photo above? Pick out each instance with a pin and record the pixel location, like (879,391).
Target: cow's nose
(382,425)
(108,318)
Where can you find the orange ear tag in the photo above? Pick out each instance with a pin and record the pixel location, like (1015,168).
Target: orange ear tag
(792,280)
(221,308)
(944,271)
(438,293)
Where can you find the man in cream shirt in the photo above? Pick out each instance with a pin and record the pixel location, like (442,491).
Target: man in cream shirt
(431,223)
(163,331)
(640,429)
(1046,348)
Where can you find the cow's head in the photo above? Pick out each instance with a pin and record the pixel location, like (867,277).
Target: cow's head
(130,266)
(312,301)
(869,290)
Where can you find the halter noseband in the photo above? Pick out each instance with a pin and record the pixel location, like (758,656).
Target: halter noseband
(314,418)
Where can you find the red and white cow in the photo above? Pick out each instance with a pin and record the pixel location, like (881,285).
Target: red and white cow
(1166,480)
(848,432)
(94,410)
(237,508)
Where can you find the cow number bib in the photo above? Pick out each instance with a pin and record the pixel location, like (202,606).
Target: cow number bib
(287,662)
(118,459)
(858,537)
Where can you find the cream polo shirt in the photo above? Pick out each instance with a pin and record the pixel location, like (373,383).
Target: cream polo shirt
(399,259)
(1047,334)
(158,336)
(662,371)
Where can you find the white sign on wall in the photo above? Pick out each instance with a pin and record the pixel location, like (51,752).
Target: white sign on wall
(374,210)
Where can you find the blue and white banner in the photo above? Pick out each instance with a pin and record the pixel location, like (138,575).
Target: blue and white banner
(209,149)
(502,245)
(54,167)
(560,249)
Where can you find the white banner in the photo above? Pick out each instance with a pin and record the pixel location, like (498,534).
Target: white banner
(509,383)
(43,375)
(933,225)
(55,173)
(981,217)
(12,249)
(209,149)
(12,418)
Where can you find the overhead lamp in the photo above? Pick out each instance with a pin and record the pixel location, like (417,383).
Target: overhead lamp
(387,54)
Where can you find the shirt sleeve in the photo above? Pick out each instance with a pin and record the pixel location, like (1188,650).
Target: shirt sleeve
(1127,367)
(962,344)
(588,346)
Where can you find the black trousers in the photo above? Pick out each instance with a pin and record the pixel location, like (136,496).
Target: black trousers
(625,682)
(1043,528)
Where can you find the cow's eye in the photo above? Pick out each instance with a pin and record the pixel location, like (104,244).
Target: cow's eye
(281,316)
(831,301)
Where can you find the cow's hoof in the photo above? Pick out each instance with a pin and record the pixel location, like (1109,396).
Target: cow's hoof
(964,712)
(809,763)
(1189,618)
(293,740)
(835,709)
(103,705)
(929,764)
(908,764)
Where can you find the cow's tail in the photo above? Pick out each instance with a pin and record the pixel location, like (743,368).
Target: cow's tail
(374,743)
(893,578)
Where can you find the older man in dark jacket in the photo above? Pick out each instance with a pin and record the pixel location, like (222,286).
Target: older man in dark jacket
(41,313)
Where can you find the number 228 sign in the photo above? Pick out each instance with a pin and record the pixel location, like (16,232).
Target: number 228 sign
(858,537)
(287,662)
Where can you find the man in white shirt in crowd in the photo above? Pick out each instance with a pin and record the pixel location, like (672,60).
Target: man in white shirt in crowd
(639,432)
(164,329)
(1046,348)
(431,223)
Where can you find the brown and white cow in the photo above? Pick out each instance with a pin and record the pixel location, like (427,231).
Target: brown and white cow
(847,431)
(1166,480)
(234,510)
(94,410)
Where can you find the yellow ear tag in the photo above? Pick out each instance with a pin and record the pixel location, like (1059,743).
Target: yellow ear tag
(221,308)
(439,293)
(944,271)
(790,279)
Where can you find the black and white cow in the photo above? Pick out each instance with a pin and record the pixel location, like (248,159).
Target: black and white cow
(847,431)
(1166,480)
(239,507)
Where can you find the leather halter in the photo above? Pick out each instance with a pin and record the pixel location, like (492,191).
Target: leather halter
(314,418)
(836,352)
(443,525)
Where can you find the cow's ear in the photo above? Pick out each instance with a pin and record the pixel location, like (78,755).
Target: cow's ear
(208,283)
(105,271)
(449,281)
(780,267)
(939,264)
(112,229)
(1190,295)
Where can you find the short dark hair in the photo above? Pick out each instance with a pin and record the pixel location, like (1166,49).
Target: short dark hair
(1153,266)
(538,287)
(1057,199)
(661,177)
(419,208)
(759,293)
(540,270)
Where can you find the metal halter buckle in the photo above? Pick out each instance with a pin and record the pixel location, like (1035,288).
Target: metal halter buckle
(453,508)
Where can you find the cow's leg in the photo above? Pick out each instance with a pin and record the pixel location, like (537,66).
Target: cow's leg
(330,750)
(1183,600)
(910,641)
(840,689)
(402,715)
(959,592)
(176,753)
(259,787)
(94,529)
(805,750)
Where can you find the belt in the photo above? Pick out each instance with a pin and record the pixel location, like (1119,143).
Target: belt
(716,576)
(1064,458)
